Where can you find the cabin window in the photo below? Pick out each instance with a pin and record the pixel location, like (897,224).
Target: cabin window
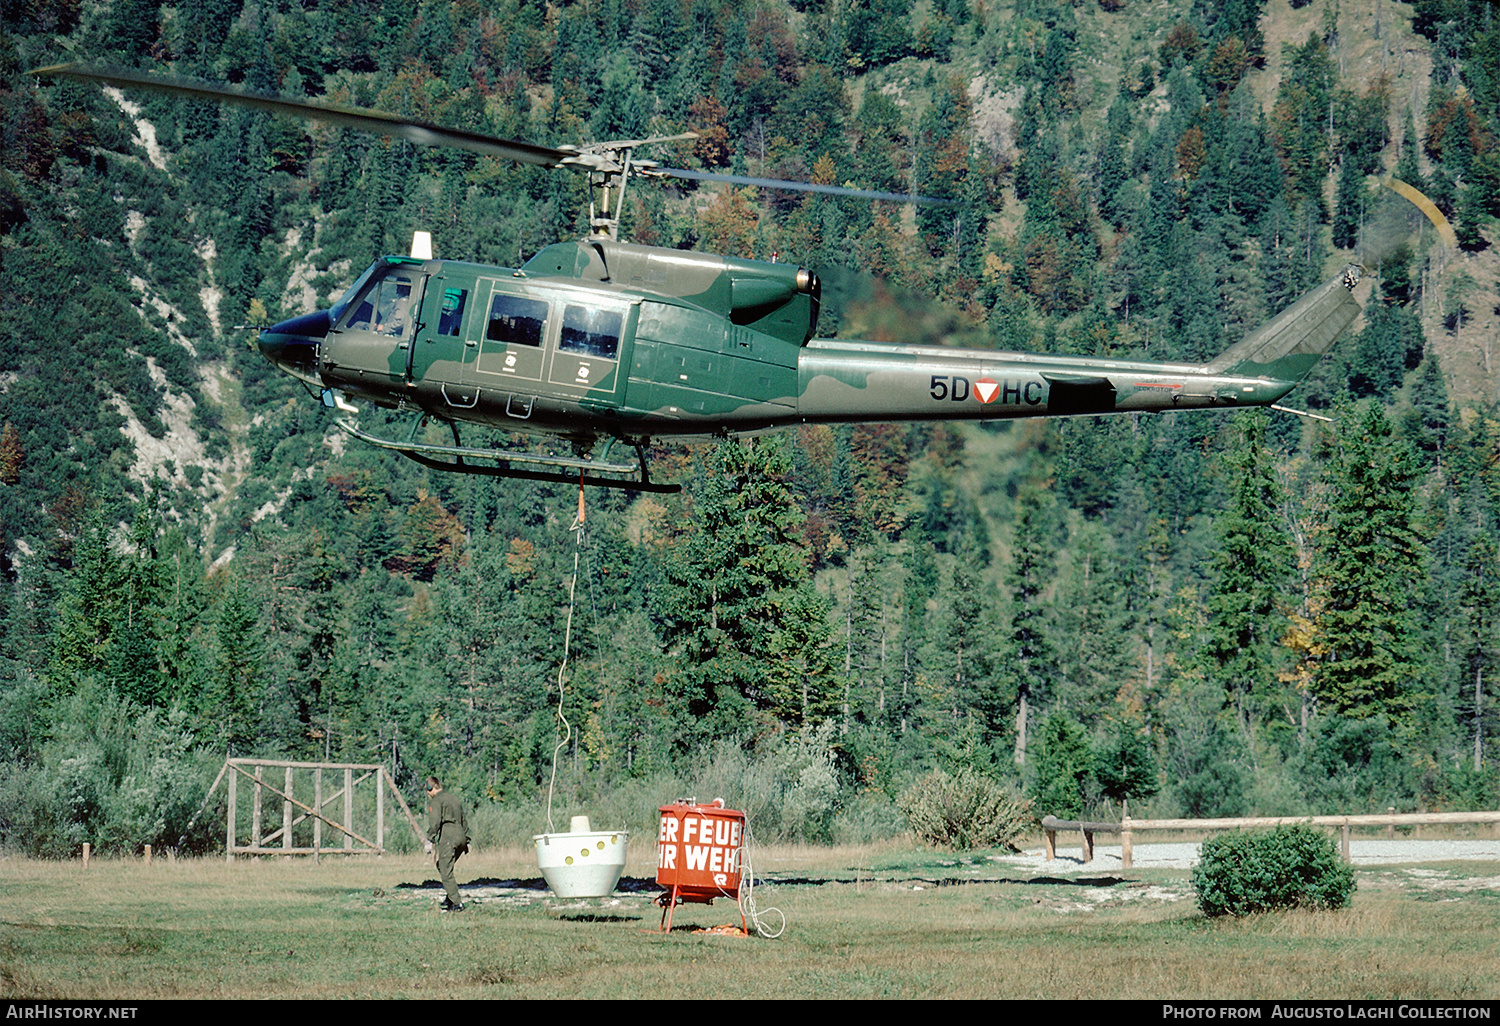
(451,315)
(517,320)
(591,332)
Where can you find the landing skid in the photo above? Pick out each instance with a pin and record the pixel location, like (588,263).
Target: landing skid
(571,470)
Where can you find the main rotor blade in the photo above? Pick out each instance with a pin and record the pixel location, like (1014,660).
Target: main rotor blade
(777,183)
(419,132)
(426,134)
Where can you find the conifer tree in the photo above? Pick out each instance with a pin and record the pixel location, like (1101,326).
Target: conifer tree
(1300,118)
(941,162)
(1096,667)
(232,698)
(1277,272)
(1124,764)
(1426,424)
(1407,169)
(89,612)
(959,662)
(1370,562)
(1032,559)
(1113,160)
(133,663)
(1252,564)
(1378,359)
(1479,630)
(1348,206)
(1233,18)
(1064,763)
(869,646)
(920,565)
(737,588)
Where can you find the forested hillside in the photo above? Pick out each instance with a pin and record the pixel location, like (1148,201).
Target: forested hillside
(1206,615)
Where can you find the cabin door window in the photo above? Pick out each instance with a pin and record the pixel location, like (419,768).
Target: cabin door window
(588,348)
(511,347)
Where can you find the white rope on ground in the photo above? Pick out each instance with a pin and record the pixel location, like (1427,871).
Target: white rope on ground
(746,897)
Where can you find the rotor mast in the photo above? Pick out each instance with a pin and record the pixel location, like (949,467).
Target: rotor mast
(609,166)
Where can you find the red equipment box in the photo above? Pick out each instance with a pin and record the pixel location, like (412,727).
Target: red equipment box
(699,855)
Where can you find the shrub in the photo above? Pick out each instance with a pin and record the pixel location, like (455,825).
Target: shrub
(787,785)
(1289,867)
(968,810)
(866,818)
(31,820)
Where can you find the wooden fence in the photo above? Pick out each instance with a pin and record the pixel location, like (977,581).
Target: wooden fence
(352,839)
(1127,827)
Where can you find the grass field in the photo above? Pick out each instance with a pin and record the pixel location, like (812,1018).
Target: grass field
(861,923)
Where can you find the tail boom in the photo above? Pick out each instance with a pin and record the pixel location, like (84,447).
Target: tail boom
(852,381)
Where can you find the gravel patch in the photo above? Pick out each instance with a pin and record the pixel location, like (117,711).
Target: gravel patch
(1185,856)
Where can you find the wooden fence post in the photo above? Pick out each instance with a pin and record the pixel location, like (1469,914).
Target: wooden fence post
(255,831)
(318,822)
(349,804)
(286,815)
(229,819)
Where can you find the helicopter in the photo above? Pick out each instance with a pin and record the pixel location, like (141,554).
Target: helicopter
(602,341)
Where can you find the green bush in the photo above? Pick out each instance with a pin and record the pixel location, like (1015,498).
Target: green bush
(1289,867)
(31,818)
(866,818)
(965,811)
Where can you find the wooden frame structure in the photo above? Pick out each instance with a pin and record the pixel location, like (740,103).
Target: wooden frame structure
(295,811)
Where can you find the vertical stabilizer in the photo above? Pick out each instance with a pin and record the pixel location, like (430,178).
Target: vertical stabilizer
(1288,346)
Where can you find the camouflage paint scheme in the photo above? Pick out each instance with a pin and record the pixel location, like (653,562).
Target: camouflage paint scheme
(598,339)
(631,342)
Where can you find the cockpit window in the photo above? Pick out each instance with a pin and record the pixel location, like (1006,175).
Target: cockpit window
(337,310)
(386,308)
(590,332)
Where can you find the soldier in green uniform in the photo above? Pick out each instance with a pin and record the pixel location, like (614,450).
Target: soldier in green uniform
(447,838)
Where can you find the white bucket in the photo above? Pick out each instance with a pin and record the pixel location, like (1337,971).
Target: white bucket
(581,863)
